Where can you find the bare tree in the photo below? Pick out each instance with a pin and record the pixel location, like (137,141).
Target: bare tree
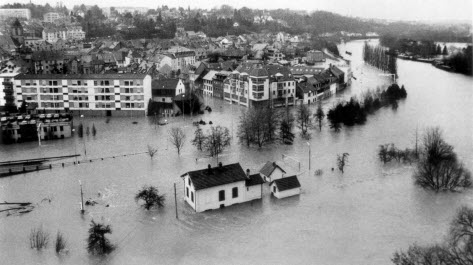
(151,197)
(438,167)
(39,238)
(319,116)
(199,138)
(60,242)
(218,138)
(461,237)
(152,151)
(244,128)
(342,161)
(457,250)
(177,138)
(304,121)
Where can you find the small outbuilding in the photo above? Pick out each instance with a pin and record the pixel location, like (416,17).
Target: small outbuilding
(271,171)
(285,187)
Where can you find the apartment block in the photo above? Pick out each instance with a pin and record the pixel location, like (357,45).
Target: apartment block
(92,94)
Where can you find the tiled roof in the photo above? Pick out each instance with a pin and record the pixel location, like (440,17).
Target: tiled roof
(269,167)
(80,76)
(287,183)
(254,179)
(205,178)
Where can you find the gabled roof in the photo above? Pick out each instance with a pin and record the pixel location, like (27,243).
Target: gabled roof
(269,167)
(254,179)
(287,183)
(164,87)
(220,175)
(210,75)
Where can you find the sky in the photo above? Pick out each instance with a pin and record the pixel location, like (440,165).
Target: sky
(432,10)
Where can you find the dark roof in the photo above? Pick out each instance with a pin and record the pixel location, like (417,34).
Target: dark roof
(205,178)
(254,179)
(269,167)
(164,87)
(336,71)
(287,183)
(81,76)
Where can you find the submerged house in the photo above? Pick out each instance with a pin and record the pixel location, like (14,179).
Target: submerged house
(271,171)
(285,187)
(221,186)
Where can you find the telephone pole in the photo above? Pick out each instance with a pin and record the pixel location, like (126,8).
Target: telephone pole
(81,199)
(175,200)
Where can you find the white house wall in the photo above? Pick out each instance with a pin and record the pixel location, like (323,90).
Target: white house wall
(208,199)
(253,192)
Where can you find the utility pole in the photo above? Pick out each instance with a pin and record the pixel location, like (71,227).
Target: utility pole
(175,200)
(81,199)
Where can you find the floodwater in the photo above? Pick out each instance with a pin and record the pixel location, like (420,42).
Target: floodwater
(359,217)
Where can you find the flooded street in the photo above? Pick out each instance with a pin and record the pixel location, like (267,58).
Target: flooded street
(360,217)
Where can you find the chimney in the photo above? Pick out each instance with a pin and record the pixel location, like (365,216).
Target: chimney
(248,173)
(220,164)
(209,169)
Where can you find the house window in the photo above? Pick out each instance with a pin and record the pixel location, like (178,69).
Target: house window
(192,196)
(187,192)
(189,181)
(274,189)
(61,128)
(235,192)
(221,195)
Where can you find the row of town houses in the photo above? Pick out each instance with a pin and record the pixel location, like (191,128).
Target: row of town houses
(250,84)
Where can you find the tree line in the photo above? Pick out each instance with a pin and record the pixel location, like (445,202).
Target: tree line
(355,111)
(379,57)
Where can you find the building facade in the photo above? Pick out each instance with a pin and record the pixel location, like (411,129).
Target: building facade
(94,94)
(221,186)
(6,13)
(253,84)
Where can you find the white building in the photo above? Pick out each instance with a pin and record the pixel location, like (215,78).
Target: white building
(253,84)
(6,82)
(221,186)
(51,17)
(94,94)
(285,187)
(6,13)
(208,83)
(271,171)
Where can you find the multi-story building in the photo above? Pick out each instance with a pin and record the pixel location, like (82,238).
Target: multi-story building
(92,94)
(181,57)
(6,91)
(51,17)
(208,83)
(75,32)
(253,84)
(54,34)
(6,13)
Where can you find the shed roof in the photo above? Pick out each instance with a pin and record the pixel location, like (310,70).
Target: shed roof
(254,179)
(287,183)
(269,167)
(220,175)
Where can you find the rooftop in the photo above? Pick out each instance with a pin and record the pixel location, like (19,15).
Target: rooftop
(220,175)
(287,183)
(269,167)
